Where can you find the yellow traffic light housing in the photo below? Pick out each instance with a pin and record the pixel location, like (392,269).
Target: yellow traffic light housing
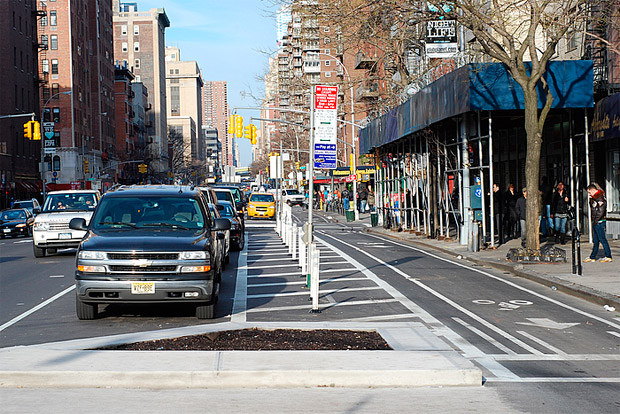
(248,132)
(142,168)
(28,129)
(36,133)
(231,124)
(297,165)
(238,126)
(86,169)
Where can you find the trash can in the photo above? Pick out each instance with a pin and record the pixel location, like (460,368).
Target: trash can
(350,214)
(374,219)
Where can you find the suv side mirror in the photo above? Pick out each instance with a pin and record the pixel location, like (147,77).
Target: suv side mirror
(78,224)
(220,224)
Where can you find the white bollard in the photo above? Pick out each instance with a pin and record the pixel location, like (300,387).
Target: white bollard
(290,238)
(314,280)
(294,242)
(303,258)
(300,244)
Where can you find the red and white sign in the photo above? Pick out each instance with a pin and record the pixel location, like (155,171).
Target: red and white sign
(326,97)
(351,178)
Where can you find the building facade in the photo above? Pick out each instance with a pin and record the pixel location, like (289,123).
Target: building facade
(216,114)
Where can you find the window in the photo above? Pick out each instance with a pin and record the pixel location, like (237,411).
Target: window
(46,92)
(44,20)
(138,79)
(54,42)
(136,29)
(175,100)
(124,47)
(44,40)
(56,114)
(327,40)
(136,64)
(47,115)
(326,30)
(328,74)
(176,71)
(571,41)
(172,71)
(56,163)
(328,63)
(53,18)
(45,66)
(124,29)
(54,66)
(136,46)
(328,51)
(55,90)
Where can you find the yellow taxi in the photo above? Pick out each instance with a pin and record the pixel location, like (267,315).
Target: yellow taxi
(261,205)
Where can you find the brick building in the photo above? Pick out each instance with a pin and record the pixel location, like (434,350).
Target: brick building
(19,174)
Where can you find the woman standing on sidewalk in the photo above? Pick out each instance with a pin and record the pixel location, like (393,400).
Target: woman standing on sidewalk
(598,206)
(559,212)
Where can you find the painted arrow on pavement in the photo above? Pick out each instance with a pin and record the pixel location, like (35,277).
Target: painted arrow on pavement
(547,323)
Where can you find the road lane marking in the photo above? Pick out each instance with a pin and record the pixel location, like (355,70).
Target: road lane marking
(542,343)
(298,273)
(558,380)
(380,318)
(614,333)
(450,302)
(322,292)
(36,308)
(351,303)
(488,338)
(239,310)
(303,282)
(516,286)
(434,324)
(57,276)
(556,357)
(547,323)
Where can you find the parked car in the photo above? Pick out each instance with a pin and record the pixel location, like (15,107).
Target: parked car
(261,205)
(32,205)
(292,197)
(237,230)
(225,194)
(239,199)
(224,242)
(51,227)
(150,244)
(16,222)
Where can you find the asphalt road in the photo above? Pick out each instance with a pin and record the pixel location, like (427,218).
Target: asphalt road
(540,350)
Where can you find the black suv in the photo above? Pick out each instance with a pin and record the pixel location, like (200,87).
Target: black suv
(149,244)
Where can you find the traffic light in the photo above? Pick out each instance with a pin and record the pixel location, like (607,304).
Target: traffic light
(36,133)
(28,129)
(297,165)
(238,126)
(86,169)
(142,168)
(352,164)
(248,132)
(253,134)
(231,124)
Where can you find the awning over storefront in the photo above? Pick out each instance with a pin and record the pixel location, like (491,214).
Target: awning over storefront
(477,87)
(606,123)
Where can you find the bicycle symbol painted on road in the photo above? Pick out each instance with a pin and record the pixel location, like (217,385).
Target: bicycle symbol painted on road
(504,306)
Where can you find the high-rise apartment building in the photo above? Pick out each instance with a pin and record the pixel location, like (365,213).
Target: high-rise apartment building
(18,82)
(216,113)
(139,40)
(184,94)
(77,94)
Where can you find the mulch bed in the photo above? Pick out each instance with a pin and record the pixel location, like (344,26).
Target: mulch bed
(265,340)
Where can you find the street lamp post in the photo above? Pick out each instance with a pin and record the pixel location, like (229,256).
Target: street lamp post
(352,131)
(43,139)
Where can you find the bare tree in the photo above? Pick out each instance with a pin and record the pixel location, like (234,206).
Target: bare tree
(180,150)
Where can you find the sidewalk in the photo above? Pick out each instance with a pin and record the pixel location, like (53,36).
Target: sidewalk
(599,283)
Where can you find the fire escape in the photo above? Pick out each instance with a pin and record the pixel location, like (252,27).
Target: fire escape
(606,68)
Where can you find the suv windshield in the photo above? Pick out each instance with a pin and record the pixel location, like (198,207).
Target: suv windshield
(176,213)
(70,201)
(225,195)
(262,198)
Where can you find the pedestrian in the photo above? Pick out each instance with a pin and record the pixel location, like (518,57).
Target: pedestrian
(408,208)
(371,199)
(560,203)
(510,213)
(598,207)
(345,198)
(520,206)
(498,212)
(546,224)
(363,200)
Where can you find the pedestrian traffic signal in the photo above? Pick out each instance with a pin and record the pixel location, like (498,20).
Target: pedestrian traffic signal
(86,169)
(142,168)
(28,129)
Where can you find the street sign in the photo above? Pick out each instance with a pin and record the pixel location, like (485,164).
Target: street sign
(49,143)
(351,178)
(325,128)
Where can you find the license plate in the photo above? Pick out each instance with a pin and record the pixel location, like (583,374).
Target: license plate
(142,288)
(64,236)
(6,230)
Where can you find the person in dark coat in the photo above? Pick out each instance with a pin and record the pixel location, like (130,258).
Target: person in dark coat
(598,207)
(498,211)
(560,204)
(520,206)
(510,212)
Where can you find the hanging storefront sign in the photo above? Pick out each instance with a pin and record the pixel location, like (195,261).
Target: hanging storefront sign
(441,40)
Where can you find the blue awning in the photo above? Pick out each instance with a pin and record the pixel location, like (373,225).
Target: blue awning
(478,87)
(606,123)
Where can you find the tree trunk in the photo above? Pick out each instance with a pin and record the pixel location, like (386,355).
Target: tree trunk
(532,168)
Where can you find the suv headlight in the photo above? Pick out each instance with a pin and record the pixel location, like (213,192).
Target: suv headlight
(194,255)
(91,255)
(42,226)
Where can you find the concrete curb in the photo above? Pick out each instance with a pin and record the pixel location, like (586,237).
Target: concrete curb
(419,359)
(573,289)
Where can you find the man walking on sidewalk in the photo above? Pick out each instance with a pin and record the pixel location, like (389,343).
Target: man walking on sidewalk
(598,206)
(520,209)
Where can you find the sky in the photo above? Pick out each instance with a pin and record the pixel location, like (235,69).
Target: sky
(230,40)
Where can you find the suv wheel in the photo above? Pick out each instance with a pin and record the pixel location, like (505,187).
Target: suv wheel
(206,311)
(38,251)
(85,311)
(239,245)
